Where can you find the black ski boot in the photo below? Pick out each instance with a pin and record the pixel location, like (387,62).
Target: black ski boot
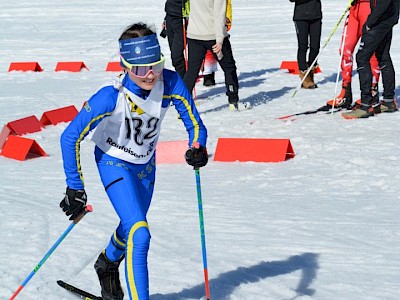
(209,79)
(108,274)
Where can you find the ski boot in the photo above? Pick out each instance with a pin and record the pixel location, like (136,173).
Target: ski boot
(209,79)
(108,274)
(388,106)
(343,100)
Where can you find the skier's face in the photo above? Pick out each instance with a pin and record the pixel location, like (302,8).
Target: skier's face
(145,83)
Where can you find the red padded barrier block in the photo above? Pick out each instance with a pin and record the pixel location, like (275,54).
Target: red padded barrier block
(20,148)
(5,132)
(70,66)
(114,66)
(25,125)
(55,116)
(293,67)
(253,149)
(170,152)
(25,66)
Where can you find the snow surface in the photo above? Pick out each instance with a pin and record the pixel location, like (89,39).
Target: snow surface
(324,225)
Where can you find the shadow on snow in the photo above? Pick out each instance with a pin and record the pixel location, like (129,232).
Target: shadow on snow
(223,286)
(246,82)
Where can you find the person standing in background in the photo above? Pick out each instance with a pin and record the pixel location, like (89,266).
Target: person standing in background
(377,38)
(307,19)
(175,23)
(207,31)
(210,63)
(352,31)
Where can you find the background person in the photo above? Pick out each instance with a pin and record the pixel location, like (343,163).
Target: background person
(377,38)
(207,31)
(351,35)
(307,19)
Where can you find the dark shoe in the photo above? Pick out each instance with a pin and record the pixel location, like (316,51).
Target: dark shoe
(359,113)
(108,274)
(209,79)
(344,99)
(387,106)
(233,99)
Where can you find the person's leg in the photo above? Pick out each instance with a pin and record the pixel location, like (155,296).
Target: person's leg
(370,42)
(130,189)
(386,66)
(197,51)
(348,43)
(176,43)
(302,30)
(228,65)
(363,11)
(350,38)
(367,48)
(315,41)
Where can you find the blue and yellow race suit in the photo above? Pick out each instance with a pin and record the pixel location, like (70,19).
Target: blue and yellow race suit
(125,130)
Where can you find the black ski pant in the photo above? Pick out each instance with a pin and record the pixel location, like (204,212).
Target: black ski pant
(308,33)
(378,39)
(197,51)
(175,35)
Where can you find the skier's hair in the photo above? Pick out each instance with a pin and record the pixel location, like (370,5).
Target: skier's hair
(136,30)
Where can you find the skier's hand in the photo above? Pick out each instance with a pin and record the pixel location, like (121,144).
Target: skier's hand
(217,48)
(163,32)
(73,203)
(196,156)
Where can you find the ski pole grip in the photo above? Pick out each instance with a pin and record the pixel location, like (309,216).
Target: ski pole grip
(88,208)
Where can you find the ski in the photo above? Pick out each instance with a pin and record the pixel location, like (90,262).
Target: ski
(326,109)
(77,291)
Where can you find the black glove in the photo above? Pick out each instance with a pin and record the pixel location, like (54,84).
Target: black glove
(74,202)
(197,156)
(163,32)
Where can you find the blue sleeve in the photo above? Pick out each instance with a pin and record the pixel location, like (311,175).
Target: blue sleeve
(99,106)
(179,95)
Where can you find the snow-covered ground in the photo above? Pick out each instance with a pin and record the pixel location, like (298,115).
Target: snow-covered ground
(324,225)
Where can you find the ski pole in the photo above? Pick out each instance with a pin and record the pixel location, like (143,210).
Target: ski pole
(88,208)
(202,233)
(344,37)
(184,16)
(322,48)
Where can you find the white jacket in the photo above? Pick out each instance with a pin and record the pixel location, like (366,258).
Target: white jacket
(207,20)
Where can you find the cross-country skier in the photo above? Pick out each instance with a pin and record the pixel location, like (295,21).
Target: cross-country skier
(377,38)
(352,31)
(123,120)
